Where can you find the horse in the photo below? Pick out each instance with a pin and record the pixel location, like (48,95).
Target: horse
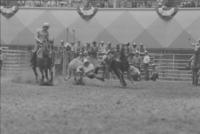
(44,61)
(118,64)
(195,66)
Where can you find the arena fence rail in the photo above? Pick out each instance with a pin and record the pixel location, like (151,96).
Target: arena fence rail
(170,66)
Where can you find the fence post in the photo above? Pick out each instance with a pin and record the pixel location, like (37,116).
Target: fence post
(114,3)
(64,65)
(74,35)
(67,34)
(173,61)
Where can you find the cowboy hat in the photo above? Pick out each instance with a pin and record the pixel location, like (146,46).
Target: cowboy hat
(67,44)
(46,24)
(134,43)
(110,51)
(153,65)
(137,52)
(85,61)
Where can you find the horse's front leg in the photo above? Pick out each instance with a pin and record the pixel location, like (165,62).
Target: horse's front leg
(46,74)
(35,72)
(42,75)
(195,77)
(123,80)
(120,76)
(130,77)
(51,73)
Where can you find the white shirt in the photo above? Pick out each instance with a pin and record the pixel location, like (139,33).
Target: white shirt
(196,46)
(146,59)
(102,49)
(67,45)
(87,69)
(134,70)
(2,56)
(73,48)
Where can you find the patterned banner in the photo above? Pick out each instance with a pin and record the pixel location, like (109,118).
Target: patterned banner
(87,14)
(166,13)
(8,12)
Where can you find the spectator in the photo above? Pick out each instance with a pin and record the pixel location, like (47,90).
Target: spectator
(137,60)
(83,49)
(146,62)
(88,47)
(134,47)
(127,49)
(117,51)
(117,48)
(1,58)
(94,50)
(108,47)
(78,49)
(131,58)
(73,50)
(59,58)
(154,73)
(68,54)
(102,48)
(142,48)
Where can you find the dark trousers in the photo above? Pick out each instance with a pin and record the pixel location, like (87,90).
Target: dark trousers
(146,71)
(195,76)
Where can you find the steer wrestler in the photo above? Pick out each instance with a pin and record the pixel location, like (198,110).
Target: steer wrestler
(87,69)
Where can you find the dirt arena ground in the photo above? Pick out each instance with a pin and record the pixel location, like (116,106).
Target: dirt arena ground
(99,108)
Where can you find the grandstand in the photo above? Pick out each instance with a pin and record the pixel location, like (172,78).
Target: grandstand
(101,3)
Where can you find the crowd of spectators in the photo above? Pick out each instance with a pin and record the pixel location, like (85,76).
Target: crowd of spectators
(96,3)
(189,3)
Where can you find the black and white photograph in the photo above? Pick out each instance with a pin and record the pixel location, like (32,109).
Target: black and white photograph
(100,67)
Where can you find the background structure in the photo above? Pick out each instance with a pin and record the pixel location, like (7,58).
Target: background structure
(114,25)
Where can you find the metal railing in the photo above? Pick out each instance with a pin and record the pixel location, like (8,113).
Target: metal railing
(169,66)
(173,66)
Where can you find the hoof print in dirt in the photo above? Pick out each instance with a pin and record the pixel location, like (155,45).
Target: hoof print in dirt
(79,83)
(48,83)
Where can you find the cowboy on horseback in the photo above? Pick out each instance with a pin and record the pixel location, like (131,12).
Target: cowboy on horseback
(42,39)
(43,53)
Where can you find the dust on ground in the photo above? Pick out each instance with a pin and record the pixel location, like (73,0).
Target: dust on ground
(98,107)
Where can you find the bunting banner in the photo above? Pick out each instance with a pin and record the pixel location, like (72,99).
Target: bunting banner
(8,12)
(87,14)
(166,13)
